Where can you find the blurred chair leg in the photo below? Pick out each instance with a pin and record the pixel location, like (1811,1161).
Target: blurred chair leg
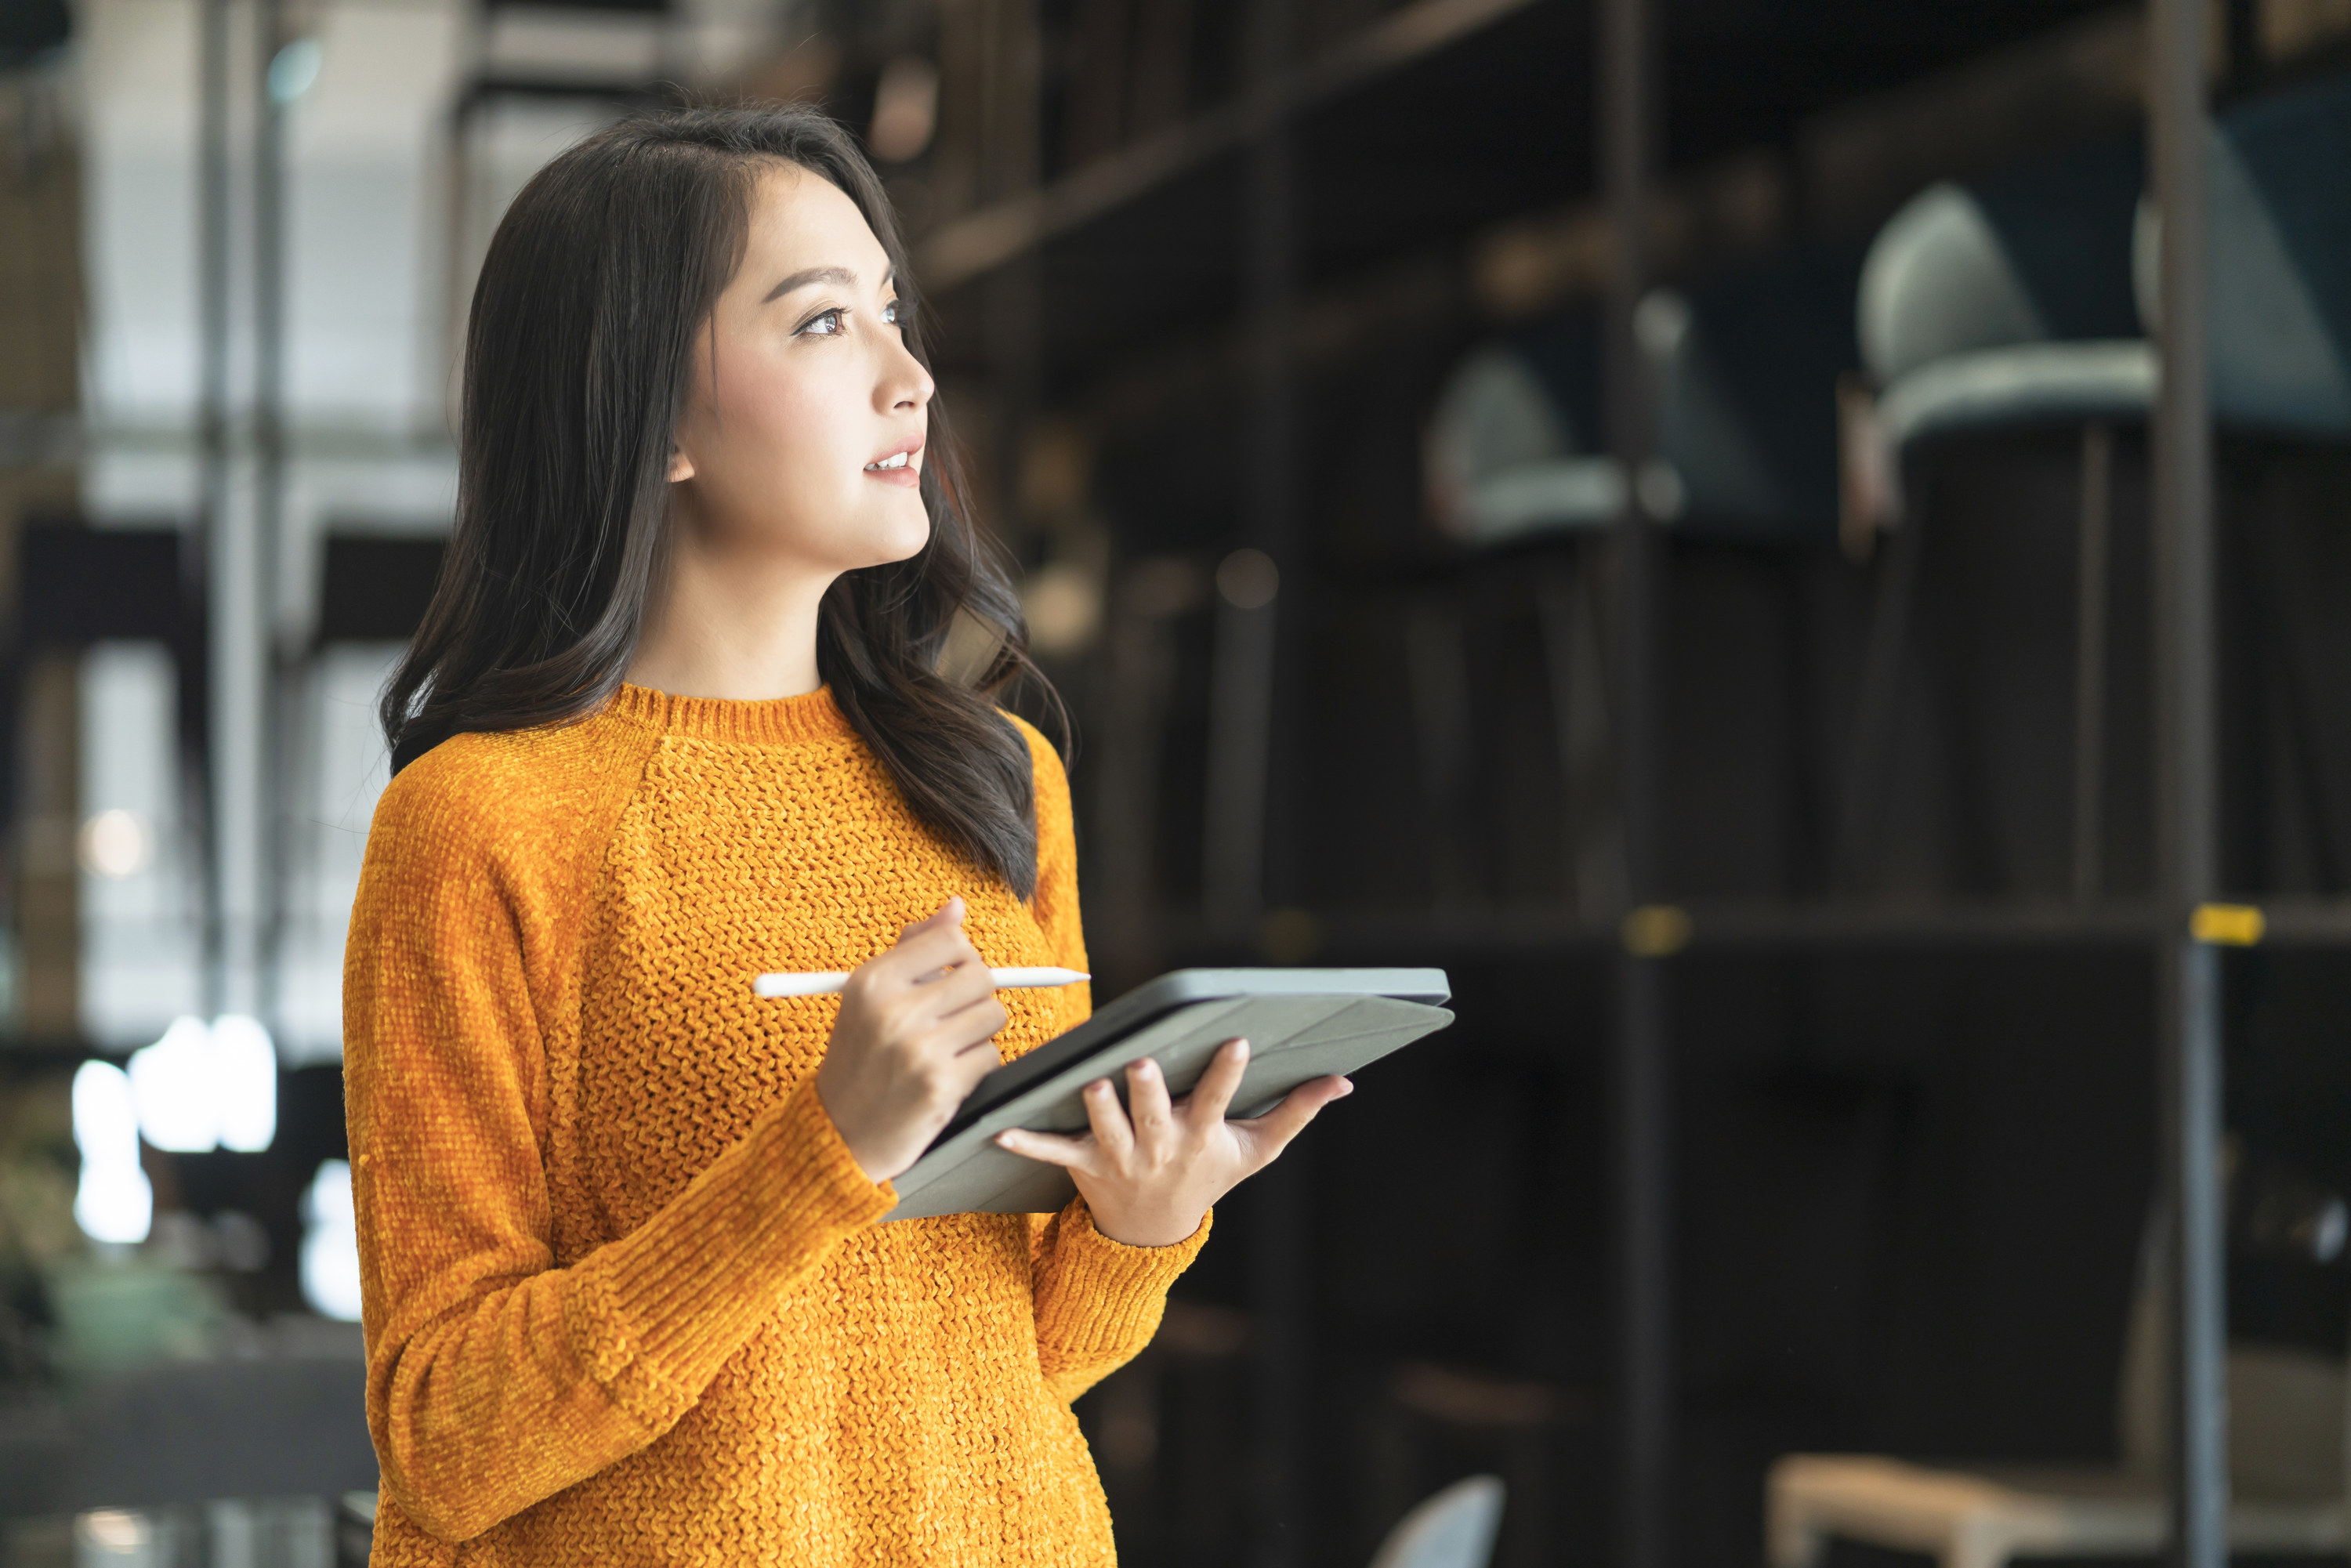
(1866,764)
(1555,617)
(1574,667)
(1438,674)
(2090,659)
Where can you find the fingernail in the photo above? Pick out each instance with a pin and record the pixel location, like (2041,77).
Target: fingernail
(1240,1047)
(1346,1087)
(1148,1068)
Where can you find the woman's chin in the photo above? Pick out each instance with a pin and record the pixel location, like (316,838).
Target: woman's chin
(899,539)
(865,536)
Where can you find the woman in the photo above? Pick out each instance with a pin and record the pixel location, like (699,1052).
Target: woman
(671,720)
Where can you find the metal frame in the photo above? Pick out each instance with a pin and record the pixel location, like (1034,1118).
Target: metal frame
(214,547)
(1642,943)
(1627,61)
(2187,1007)
(1712,925)
(1246,676)
(269,445)
(201,546)
(981,241)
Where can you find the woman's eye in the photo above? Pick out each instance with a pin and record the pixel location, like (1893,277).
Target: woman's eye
(824,325)
(892,314)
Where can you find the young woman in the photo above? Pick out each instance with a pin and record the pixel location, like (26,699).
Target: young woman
(673,719)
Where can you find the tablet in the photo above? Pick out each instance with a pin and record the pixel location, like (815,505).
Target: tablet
(1301,1024)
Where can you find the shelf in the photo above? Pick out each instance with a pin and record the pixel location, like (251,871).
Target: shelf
(1739,77)
(963,248)
(1731,926)
(1445,121)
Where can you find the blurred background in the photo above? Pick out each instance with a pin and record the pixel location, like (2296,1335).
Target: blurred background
(1645,505)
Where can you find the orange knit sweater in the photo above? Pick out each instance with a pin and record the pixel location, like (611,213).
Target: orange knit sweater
(627,1300)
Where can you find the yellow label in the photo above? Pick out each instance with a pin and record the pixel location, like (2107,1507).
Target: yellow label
(2227,925)
(1655,930)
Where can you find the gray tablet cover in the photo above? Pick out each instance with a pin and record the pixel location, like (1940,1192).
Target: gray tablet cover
(1299,1023)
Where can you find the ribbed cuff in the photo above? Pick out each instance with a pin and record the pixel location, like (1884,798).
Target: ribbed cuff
(684,1291)
(1105,1297)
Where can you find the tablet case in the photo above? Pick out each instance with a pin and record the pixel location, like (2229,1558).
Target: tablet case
(1301,1024)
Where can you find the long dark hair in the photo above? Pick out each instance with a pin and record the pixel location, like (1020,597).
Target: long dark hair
(576,358)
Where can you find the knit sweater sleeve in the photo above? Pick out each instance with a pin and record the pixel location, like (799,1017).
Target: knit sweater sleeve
(495,1377)
(1098,1300)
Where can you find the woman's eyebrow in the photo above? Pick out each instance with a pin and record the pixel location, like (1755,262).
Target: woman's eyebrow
(802,278)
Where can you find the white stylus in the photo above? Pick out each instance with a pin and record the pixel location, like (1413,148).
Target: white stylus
(828,982)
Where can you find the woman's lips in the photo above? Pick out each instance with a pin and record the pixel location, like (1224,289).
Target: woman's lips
(898,468)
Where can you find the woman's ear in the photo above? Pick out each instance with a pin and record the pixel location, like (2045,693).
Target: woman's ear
(681,466)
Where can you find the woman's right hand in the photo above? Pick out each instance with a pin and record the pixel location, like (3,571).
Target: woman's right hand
(911,1042)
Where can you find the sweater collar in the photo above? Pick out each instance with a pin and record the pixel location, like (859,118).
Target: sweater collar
(782,720)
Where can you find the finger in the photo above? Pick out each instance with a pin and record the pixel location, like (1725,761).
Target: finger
(967,1029)
(924,954)
(946,919)
(1052,1149)
(1147,1106)
(955,993)
(955,953)
(1267,1135)
(946,1080)
(934,975)
(1214,1094)
(1112,1132)
(939,934)
(968,1066)
(945,914)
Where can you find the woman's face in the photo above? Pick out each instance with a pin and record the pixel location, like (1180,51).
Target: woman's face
(803,431)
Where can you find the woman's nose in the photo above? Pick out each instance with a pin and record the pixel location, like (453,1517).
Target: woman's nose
(904,382)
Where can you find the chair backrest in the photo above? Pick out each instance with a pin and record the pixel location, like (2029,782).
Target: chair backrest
(2278,287)
(1493,414)
(1938,282)
(1503,454)
(1702,432)
(2282,194)
(1454,1529)
(1746,371)
(2039,255)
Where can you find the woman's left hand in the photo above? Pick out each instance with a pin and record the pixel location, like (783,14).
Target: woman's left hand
(1149,1170)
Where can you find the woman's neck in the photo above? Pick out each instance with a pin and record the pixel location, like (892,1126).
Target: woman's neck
(721,626)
